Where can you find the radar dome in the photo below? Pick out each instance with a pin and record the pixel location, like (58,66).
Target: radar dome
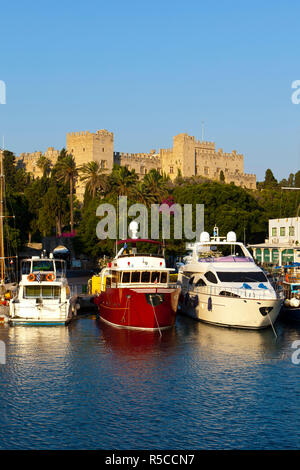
(231,237)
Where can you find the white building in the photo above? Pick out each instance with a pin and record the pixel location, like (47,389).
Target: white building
(285,230)
(283,245)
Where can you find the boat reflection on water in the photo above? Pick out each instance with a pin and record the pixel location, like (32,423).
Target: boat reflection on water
(135,342)
(238,347)
(196,338)
(36,342)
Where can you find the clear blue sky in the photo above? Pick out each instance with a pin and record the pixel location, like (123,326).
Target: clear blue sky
(150,70)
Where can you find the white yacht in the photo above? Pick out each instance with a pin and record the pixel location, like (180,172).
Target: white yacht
(43,294)
(221,284)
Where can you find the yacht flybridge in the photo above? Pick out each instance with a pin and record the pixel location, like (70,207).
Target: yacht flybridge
(43,293)
(221,284)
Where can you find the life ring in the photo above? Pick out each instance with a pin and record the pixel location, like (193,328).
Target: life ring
(50,277)
(31,277)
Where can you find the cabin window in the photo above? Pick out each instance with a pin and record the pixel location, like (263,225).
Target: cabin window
(32,291)
(255,276)
(115,277)
(145,276)
(126,277)
(155,277)
(211,277)
(46,292)
(163,277)
(50,292)
(26,267)
(200,282)
(108,282)
(135,276)
(282,231)
(42,265)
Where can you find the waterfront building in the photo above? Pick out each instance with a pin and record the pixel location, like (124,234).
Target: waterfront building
(283,244)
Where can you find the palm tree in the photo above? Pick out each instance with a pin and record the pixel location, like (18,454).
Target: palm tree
(44,164)
(142,194)
(123,180)
(95,180)
(67,172)
(156,185)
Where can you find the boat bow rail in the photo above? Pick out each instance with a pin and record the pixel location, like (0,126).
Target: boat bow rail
(244,293)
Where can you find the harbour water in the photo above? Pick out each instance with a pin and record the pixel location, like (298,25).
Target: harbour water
(91,386)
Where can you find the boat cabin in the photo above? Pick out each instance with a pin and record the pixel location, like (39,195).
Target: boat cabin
(43,269)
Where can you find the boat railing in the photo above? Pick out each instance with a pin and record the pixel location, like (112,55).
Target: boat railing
(243,293)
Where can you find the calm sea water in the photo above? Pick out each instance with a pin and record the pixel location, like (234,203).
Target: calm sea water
(91,386)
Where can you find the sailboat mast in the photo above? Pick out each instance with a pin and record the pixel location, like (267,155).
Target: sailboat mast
(1,216)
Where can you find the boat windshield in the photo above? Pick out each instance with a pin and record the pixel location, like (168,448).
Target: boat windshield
(219,250)
(42,265)
(45,292)
(251,276)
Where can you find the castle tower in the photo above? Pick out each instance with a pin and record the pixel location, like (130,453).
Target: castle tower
(181,158)
(87,147)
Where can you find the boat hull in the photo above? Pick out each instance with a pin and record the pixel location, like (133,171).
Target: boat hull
(26,314)
(231,312)
(138,308)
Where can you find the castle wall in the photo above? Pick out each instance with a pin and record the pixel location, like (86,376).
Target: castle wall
(142,163)
(189,157)
(29,161)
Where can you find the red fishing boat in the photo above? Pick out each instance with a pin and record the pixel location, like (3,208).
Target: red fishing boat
(135,291)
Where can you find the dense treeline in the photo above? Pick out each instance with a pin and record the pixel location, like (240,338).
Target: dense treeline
(48,205)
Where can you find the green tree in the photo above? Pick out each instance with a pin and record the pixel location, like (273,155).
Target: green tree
(291,180)
(54,210)
(270,180)
(44,164)
(92,174)
(66,171)
(155,185)
(297,179)
(122,180)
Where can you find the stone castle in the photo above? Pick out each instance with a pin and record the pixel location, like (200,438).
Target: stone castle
(188,157)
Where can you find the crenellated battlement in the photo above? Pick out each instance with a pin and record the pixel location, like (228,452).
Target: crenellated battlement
(101,132)
(205,145)
(188,157)
(136,156)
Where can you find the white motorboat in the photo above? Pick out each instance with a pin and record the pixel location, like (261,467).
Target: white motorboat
(221,284)
(43,295)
